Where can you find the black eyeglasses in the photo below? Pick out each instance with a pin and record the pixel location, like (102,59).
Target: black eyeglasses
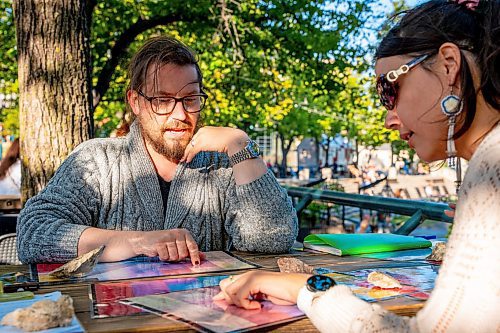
(387,86)
(166,105)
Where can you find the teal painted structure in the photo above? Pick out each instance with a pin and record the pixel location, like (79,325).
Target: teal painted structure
(418,211)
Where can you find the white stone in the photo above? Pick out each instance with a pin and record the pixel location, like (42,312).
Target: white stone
(383,280)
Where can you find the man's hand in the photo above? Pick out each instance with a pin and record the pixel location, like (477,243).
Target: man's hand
(168,245)
(221,139)
(230,141)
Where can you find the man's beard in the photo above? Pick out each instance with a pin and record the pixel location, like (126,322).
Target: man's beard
(172,149)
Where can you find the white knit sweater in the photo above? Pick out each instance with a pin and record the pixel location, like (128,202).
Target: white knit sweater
(466,297)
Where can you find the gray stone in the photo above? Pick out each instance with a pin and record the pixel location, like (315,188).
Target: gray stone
(42,315)
(78,267)
(438,252)
(294,265)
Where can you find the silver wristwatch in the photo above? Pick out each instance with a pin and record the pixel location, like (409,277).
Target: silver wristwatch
(251,150)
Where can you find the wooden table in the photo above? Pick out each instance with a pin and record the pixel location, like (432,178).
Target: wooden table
(153,323)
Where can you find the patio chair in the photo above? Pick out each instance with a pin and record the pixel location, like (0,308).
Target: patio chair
(8,250)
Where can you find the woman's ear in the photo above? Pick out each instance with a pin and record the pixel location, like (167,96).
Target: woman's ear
(133,101)
(450,60)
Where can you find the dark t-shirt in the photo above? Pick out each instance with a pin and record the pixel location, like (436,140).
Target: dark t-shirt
(164,189)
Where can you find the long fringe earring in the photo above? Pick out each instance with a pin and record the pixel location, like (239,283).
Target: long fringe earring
(451,106)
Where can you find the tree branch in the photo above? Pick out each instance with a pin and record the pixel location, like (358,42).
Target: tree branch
(122,44)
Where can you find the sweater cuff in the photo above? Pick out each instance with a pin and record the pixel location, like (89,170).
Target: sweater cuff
(334,310)
(66,240)
(265,187)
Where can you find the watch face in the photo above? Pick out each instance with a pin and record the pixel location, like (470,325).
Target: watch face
(253,148)
(320,283)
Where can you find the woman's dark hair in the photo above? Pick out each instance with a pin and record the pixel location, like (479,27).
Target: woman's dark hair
(423,29)
(10,158)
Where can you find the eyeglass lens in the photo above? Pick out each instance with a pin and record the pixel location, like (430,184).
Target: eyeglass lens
(165,105)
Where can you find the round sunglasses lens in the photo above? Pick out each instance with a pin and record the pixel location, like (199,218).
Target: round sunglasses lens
(387,92)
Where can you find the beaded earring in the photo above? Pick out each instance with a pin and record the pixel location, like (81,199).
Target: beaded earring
(451,106)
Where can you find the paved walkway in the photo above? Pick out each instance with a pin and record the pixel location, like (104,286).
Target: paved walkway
(410,186)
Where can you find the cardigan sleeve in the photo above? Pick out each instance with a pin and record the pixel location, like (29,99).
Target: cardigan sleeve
(465,297)
(50,225)
(260,216)
(338,310)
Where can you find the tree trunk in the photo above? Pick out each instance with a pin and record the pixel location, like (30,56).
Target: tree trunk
(285,148)
(327,152)
(54,84)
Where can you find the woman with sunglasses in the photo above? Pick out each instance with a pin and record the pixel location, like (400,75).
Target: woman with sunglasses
(438,74)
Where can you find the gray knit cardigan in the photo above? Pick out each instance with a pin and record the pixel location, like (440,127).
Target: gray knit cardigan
(112,184)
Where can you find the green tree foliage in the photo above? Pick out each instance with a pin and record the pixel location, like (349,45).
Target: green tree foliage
(287,65)
(9,113)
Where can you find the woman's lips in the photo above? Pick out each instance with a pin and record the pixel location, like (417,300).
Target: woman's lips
(410,142)
(407,137)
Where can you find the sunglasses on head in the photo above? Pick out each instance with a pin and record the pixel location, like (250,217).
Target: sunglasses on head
(387,86)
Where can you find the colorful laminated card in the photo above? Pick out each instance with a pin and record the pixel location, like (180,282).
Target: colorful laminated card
(417,282)
(197,309)
(105,296)
(351,244)
(141,267)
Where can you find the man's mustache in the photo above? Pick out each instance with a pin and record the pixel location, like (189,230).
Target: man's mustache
(176,125)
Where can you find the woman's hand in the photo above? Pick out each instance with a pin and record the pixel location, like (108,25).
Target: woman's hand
(451,212)
(248,289)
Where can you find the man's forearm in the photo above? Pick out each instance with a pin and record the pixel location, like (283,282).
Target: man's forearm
(249,170)
(119,243)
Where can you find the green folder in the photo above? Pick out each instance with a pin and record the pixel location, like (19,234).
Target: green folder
(349,244)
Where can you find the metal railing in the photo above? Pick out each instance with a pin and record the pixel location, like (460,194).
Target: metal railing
(419,211)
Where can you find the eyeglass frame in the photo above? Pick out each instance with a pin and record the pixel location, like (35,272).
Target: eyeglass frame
(386,83)
(150,99)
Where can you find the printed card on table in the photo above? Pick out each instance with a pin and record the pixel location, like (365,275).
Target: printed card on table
(417,282)
(142,267)
(197,309)
(105,296)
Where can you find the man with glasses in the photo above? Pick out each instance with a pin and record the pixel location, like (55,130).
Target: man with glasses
(170,188)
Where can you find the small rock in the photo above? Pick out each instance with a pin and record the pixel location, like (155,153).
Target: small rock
(383,280)
(42,315)
(78,267)
(438,252)
(294,265)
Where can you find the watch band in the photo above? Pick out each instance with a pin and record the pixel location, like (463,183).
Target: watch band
(315,286)
(251,150)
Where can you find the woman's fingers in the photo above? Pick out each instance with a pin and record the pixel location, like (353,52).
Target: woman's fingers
(219,297)
(451,212)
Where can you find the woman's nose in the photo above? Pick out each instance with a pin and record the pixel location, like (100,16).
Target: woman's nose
(392,120)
